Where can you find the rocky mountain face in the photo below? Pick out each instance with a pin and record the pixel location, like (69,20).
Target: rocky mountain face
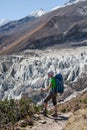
(11,25)
(14,30)
(64,26)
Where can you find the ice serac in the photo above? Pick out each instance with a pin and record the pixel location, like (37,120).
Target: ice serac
(24,74)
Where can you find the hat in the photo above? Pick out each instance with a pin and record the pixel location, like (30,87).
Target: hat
(51,73)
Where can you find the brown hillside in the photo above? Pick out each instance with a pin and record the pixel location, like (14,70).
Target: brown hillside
(46,31)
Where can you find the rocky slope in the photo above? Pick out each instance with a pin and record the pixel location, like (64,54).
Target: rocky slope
(73,119)
(64,26)
(72,115)
(77,121)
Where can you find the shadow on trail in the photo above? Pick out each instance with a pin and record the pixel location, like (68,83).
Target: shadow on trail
(63,118)
(60,117)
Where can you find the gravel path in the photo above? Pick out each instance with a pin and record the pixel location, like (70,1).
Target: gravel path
(49,123)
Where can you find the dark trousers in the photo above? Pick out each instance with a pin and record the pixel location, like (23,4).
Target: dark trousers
(52,96)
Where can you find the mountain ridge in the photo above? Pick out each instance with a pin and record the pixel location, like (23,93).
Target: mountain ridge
(73,1)
(33,14)
(3,22)
(55,26)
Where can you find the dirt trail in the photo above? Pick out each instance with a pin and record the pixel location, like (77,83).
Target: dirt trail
(49,123)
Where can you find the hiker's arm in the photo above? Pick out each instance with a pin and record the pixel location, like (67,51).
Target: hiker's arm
(46,89)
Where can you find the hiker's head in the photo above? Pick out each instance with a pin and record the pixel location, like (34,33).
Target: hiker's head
(50,74)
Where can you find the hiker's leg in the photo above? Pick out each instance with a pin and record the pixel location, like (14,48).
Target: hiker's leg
(56,109)
(55,103)
(46,100)
(45,105)
(44,112)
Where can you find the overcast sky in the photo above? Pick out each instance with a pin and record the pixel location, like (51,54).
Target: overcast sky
(16,9)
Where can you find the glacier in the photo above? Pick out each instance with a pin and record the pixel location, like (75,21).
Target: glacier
(26,73)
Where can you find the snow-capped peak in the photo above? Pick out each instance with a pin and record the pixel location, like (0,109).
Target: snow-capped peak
(38,13)
(68,3)
(57,7)
(3,21)
(73,2)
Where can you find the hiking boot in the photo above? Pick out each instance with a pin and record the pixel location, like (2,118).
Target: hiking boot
(54,115)
(44,112)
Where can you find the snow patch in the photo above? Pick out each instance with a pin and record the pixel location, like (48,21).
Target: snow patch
(73,2)
(3,21)
(38,13)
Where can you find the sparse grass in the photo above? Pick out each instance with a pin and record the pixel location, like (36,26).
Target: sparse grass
(75,104)
(63,110)
(12,111)
(83,100)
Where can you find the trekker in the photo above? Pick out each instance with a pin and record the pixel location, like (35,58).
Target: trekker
(52,94)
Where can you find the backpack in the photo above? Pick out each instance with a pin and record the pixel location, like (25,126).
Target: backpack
(59,83)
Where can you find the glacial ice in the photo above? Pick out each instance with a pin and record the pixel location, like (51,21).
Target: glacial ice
(24,74)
